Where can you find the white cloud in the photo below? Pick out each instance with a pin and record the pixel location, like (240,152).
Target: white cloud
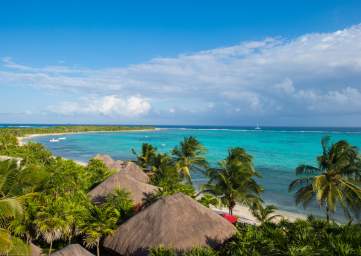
(286,86)
(111,105)
(314,73)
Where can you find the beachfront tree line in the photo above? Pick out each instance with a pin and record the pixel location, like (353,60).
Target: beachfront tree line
(43,200)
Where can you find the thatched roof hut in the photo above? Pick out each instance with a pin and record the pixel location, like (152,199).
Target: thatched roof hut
(121,180)
(72,250)
(128,167)
(35,250)
(176,221)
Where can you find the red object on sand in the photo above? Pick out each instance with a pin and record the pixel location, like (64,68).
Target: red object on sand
(231,218)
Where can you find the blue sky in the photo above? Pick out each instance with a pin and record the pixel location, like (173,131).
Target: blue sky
(181,62)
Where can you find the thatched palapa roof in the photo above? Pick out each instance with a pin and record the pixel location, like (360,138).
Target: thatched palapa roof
(35,250)
(72,250)
(126,166)
(176,221)
(120,180)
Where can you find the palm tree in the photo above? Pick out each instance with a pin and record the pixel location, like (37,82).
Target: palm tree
(146,157)
(7,140)
(234,181)
(11,206)
(120,201)
(208,200)
(10,209)
(189,155)
(100,222)
(336,179)
(264,214)
(51,223)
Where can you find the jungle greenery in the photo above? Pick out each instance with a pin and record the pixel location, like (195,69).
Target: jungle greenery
(19,132)
(300,238)
(43,199)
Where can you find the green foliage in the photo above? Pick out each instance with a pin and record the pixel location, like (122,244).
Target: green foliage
(97,171)
(335,181)
(264,213)
(161,251)
(18,132)
(310,237)
(121,202)
(97,223)
(168,178)
(207,200)
(189,156)
(11,208)
(199,251)
(147,157)
(7,140)
(234,180)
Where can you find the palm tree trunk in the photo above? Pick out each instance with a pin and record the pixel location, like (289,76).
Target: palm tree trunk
(230,210)
(98,251)
(50,248)
(327,214)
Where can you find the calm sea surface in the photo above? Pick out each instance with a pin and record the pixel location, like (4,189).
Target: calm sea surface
(276,151)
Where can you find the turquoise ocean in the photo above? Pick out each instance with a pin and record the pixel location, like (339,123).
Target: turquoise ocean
(276,151)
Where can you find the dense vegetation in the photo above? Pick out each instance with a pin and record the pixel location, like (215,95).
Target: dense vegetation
(43,199)
(68,129)
(301,238)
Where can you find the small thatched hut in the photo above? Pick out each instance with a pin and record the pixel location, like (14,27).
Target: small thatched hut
(128,167)
(120,180)
(176,221)
(72,250)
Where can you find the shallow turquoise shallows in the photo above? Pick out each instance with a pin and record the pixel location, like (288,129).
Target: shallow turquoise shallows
(276,151)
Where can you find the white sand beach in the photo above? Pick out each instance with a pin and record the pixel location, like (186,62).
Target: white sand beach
(24,139)
(245,215)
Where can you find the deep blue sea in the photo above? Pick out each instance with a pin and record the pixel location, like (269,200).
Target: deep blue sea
(277,151)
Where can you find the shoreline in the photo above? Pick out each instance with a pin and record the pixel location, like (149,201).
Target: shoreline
(242,212)
(21,139)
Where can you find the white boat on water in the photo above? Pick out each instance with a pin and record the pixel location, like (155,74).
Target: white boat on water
(53,140)
(257,127)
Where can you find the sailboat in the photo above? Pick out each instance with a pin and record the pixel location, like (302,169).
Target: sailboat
(257,127)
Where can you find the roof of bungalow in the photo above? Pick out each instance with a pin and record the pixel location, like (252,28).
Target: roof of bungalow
(71,250)
(128,167)
(177,221)
(138,191)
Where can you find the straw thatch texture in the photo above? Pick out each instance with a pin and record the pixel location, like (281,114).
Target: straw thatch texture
(35,250)
(176,221)
(126,166)
(120,180)
(72,250)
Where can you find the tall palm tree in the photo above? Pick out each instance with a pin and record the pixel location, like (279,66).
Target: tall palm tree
(189,155)
(336,179)
(51,223)
(146,157)
(234,181)
(100,222)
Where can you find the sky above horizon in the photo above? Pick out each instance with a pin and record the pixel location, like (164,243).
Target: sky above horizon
(276,63)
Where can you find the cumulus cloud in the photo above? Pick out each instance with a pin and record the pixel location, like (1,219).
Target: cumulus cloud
(313,73)
(111,105)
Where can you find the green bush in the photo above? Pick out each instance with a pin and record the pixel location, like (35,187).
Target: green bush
(161,251)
